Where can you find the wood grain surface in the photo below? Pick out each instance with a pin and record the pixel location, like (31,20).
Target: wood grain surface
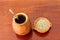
(34,9)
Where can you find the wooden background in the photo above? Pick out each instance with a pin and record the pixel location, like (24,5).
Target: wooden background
(34,9)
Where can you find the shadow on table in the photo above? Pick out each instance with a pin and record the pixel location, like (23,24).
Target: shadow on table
(25,37)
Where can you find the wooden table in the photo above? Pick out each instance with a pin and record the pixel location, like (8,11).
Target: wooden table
(34,9)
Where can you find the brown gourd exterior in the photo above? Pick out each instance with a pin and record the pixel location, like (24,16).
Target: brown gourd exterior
(23,28)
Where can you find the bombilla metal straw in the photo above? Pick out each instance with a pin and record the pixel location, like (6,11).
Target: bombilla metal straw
(11,11)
